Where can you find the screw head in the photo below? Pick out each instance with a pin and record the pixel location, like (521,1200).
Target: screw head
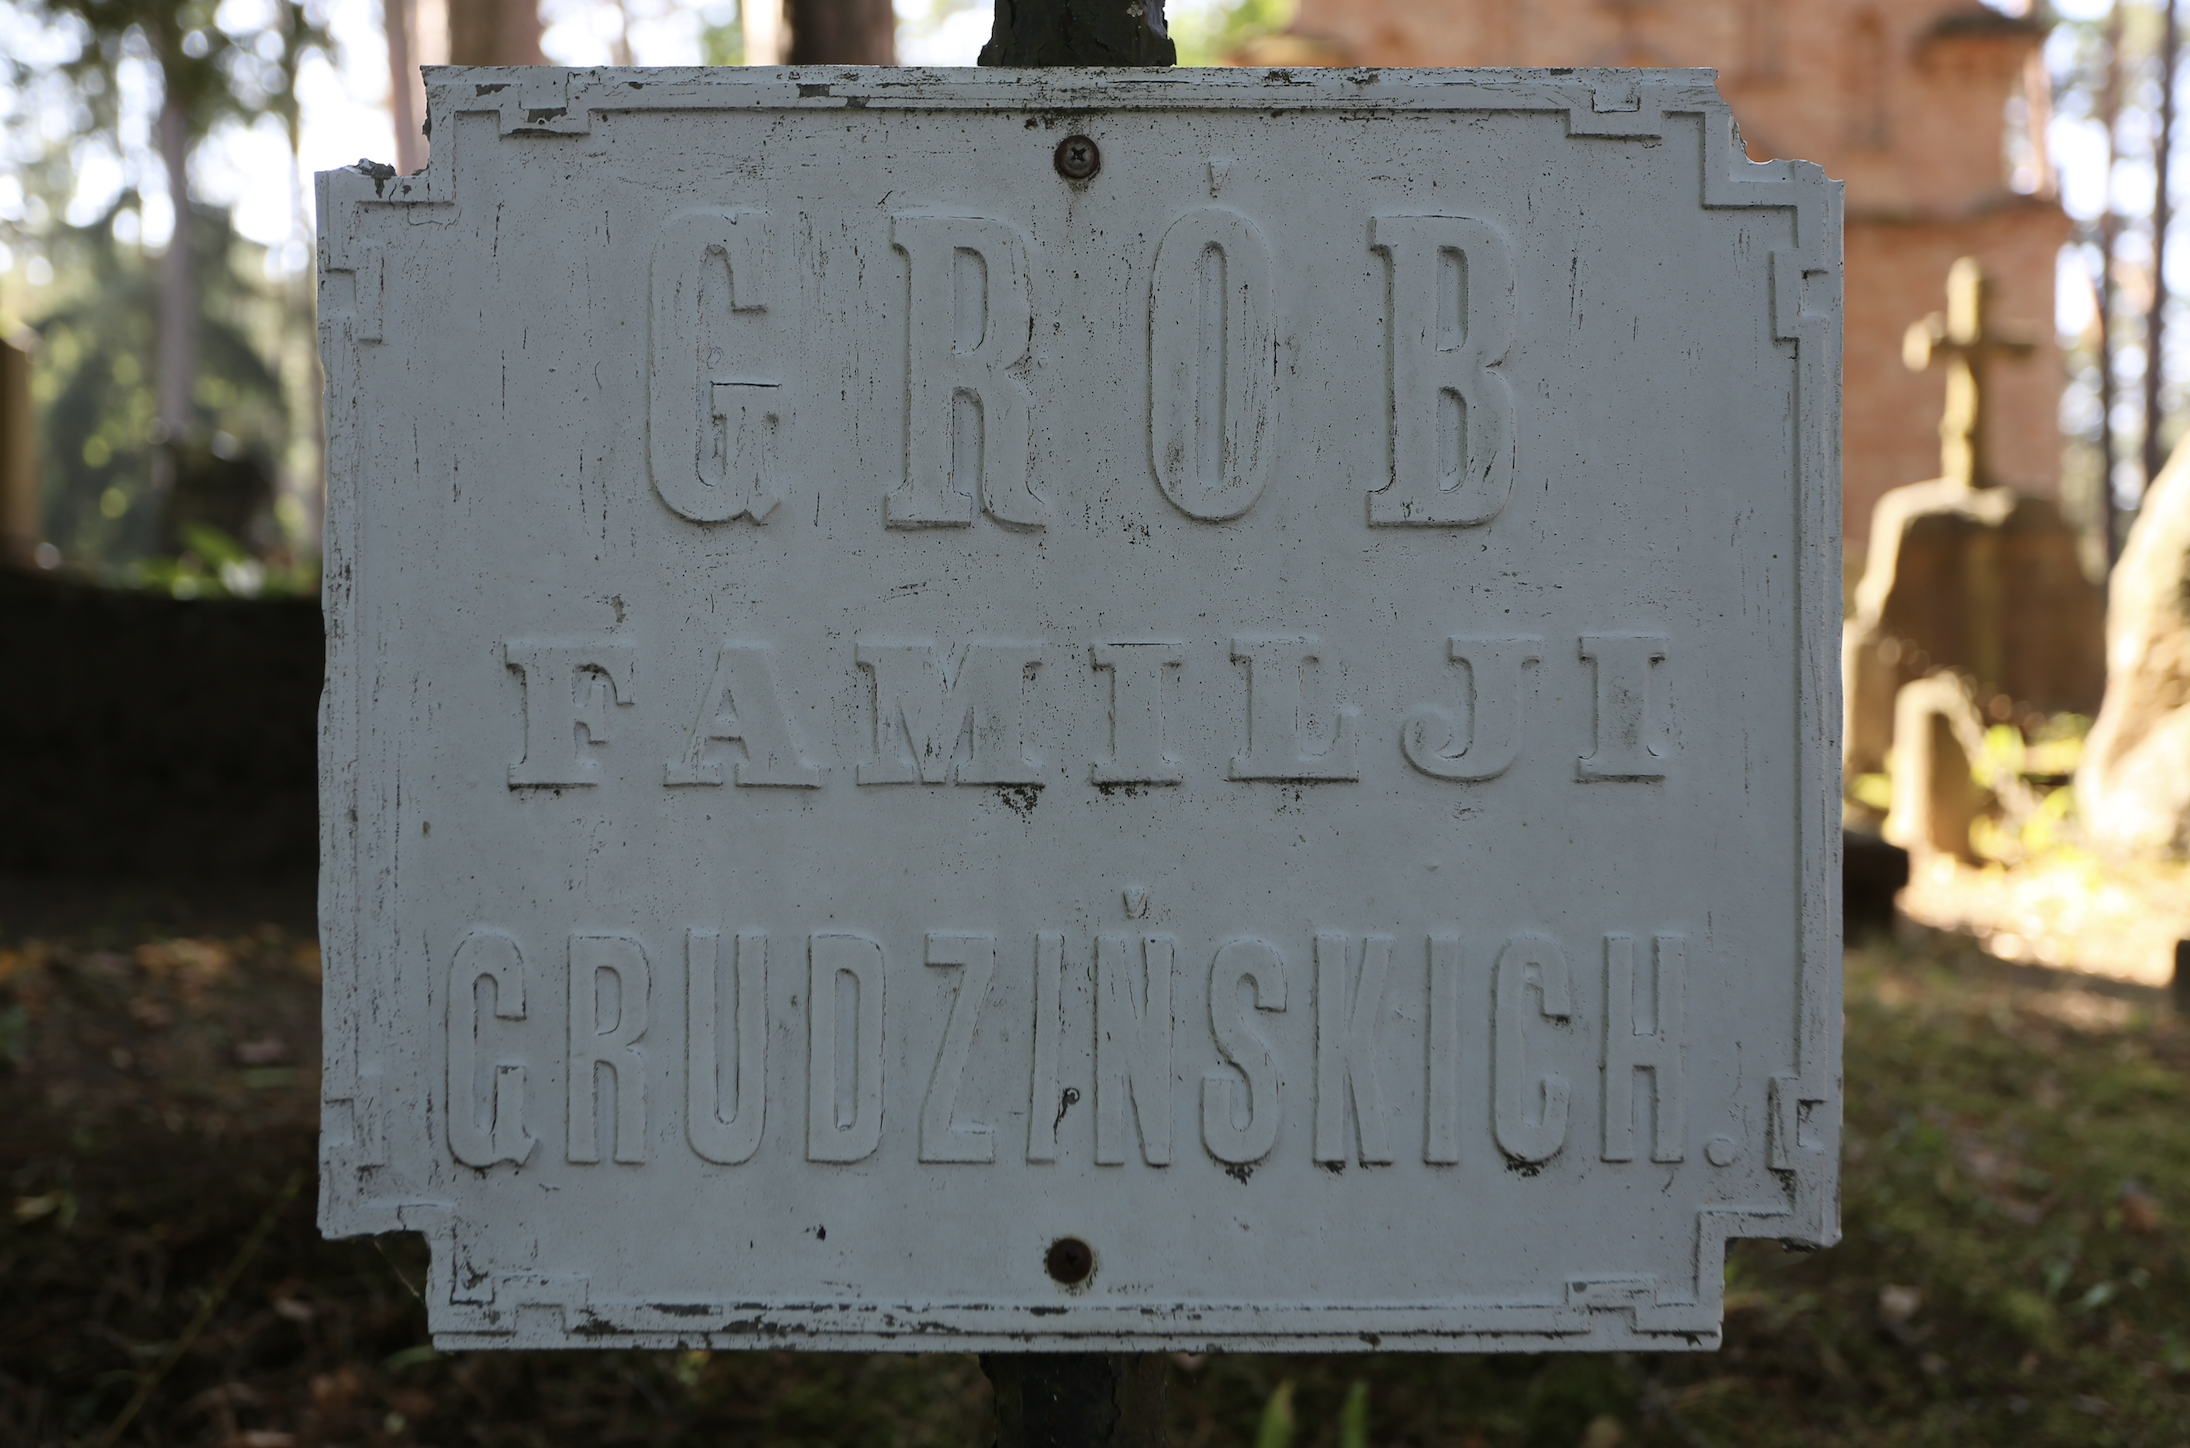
(1078,158)
(1069,1260)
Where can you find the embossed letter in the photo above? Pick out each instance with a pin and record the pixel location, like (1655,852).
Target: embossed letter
(1529,962)
(1346,1049)
(714,443)
(743,706)
(1133,1047)
(1496,681)
(493,957)
(1212,364)
(1045,1107)
(967,326)
(919,717)
(1452,319)
(940,1138)
(843,1093)
(606,1020)
(1256,964)
(1654,1042)
(1278,723)
(568,687)
(725,1141)
(1442,1143)
(1631,739)
(1136,713)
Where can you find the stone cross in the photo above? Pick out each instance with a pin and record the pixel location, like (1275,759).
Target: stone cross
(1966,337)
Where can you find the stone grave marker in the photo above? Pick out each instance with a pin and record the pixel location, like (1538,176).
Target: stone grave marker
(1966,572)
(1094,711)
(1939,738)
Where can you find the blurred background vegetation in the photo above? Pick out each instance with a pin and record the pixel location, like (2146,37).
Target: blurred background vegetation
(209,485)
(174,377)
(224,526)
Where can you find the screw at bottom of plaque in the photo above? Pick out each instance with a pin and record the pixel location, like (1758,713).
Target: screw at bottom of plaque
(1069,1260)
(1078,158)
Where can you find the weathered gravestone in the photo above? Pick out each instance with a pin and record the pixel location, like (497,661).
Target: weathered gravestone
(1938,738)
(1965,572)
(1090,711)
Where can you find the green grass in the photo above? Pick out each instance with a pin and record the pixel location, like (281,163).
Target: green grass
(2014,1270)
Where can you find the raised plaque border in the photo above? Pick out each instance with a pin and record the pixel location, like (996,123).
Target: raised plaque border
(474,1301)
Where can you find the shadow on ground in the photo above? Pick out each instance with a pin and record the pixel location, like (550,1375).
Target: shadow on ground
(2018,1183)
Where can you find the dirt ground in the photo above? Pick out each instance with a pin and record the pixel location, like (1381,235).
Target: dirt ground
(2014,1270)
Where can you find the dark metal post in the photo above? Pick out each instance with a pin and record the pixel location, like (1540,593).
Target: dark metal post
(1077,1399)
(1079,32)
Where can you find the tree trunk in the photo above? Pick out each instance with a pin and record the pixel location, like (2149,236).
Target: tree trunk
(402,78)
(2110,108)
(2155,321)
(619,49)
(841,32)
(1078,1399)
(762,23)
(494,32)
(178,338)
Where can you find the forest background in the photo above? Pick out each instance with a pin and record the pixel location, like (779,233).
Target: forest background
(176,385)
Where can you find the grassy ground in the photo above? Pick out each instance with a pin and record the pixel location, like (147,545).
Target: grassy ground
(2015,1270)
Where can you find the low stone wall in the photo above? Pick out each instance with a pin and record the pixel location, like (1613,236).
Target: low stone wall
(146,736)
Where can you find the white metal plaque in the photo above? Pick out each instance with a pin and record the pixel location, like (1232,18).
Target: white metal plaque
(1270,711)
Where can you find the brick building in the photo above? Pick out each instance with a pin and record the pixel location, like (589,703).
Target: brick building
(1905,100)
